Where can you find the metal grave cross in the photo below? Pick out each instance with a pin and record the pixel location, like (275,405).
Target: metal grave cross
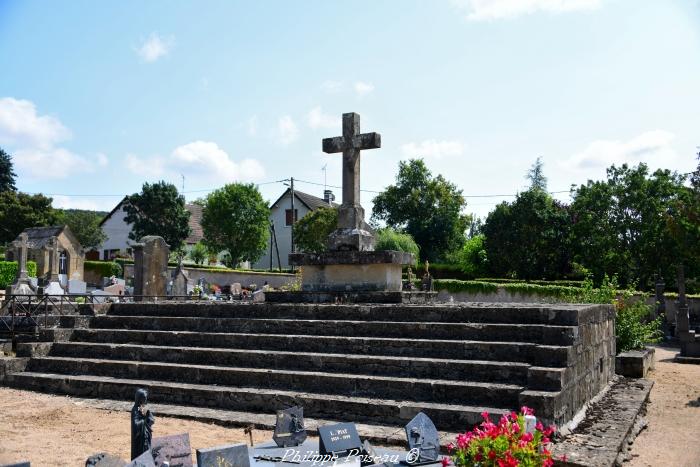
(350,144)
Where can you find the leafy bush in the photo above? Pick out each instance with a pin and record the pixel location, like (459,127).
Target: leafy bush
(199,253)
(8,272)
(634,327)
(311,231)
(104,268)
(471,259)
(390,239)
(504,444)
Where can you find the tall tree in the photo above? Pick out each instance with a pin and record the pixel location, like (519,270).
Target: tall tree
(311,231)
(528,238)
(429,208)
(158,210)
(85,225)
(235,219)
(536,175)
(620,224)
(19,211)
(683,220)
(7,174)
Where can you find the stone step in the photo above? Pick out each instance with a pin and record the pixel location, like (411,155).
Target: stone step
(529,313)
(407,367)
(354,385)
(332,407)
(536,333)
(542,355)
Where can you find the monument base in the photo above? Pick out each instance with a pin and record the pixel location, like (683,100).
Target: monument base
(417,298)
(351,271)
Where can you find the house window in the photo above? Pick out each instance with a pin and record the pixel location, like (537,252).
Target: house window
(288,216)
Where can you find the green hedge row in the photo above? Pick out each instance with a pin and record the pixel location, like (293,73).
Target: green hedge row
(453,285)
(565,283)
(104,268)
(8,272)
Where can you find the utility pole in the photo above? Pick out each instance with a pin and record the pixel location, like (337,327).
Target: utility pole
(291,184)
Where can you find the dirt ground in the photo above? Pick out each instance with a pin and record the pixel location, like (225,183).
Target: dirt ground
(672,437)
(55,431)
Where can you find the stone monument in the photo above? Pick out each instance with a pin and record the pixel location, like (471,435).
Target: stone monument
(22,284)
(150,267)
(52,280)
(180,280)
(689,339)
(351,265)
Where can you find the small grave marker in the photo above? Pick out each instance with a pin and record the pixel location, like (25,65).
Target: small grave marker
(423,437)
(174,449)
(289,429)
(338,439)
(232,455)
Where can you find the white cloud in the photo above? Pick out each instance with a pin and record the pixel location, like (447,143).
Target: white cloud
(652,147)
(50,163)
(331,87)
(102,159)
(433,148)
(480,10)
(362,88)
(201,162)
(288,131)
(21,126)
(155,47)
(317,119)
(70,202)
(253,125)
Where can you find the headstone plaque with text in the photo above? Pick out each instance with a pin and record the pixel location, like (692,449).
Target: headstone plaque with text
(338,439)
(424,437)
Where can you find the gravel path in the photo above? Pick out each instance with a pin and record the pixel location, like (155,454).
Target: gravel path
(672,437)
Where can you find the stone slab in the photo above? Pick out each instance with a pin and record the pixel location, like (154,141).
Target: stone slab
(351,258)
(232,455)
(635,363)
(174,449)
(609,426)
(350,297)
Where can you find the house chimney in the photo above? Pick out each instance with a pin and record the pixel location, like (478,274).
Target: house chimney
(328,196)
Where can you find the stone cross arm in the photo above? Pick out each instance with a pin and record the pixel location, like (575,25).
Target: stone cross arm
(362,141)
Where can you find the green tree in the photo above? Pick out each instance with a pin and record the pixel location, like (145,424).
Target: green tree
(472,258)
(620,224)
(536,175)
(683,221)
(158,210)
(426,207)
(7,174)
(19,211)
(528,238)
(390,239)
(85,225)
(235,219)
(199,253)
(312,230)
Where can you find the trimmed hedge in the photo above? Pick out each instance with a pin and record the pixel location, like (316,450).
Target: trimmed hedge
(104,268)
(453,285)
(8,272)
(565,283)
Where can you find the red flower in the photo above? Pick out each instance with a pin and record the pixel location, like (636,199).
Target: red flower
(527,437)
(492,454)
(485,415)
(445,461)
(527,410)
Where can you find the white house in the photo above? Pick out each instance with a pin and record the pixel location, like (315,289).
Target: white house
(117,231)
(281,219)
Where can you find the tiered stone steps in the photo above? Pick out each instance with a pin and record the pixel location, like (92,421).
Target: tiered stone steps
(373,364)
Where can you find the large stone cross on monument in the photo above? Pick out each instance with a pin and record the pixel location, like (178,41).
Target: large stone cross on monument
(21,285)
(352,232)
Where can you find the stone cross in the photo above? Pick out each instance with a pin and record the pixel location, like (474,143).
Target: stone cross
(350,144)
(352,232)
(21,246)
(53,259)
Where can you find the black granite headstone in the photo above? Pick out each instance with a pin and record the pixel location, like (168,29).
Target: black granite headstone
(232,455)
(18,464)
(338,439)
(174,449)
(423,439)
(289,429)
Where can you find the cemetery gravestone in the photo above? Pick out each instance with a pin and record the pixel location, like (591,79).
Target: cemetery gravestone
(338,439)
(104,460)
(233,455)
(19,464)
(144,460)
(289,428)
(76,286)
(150,267)
(174,449)
(423,439)
(21,285)
(180,281)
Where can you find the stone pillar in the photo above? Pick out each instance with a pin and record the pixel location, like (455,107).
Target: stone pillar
(21,285)
(682,317)
(150,267)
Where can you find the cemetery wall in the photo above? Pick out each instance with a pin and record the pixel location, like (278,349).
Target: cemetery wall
(227,277)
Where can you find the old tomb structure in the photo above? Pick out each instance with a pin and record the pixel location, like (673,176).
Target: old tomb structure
(362,360)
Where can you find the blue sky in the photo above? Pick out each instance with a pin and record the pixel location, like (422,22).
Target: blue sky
(98,97)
